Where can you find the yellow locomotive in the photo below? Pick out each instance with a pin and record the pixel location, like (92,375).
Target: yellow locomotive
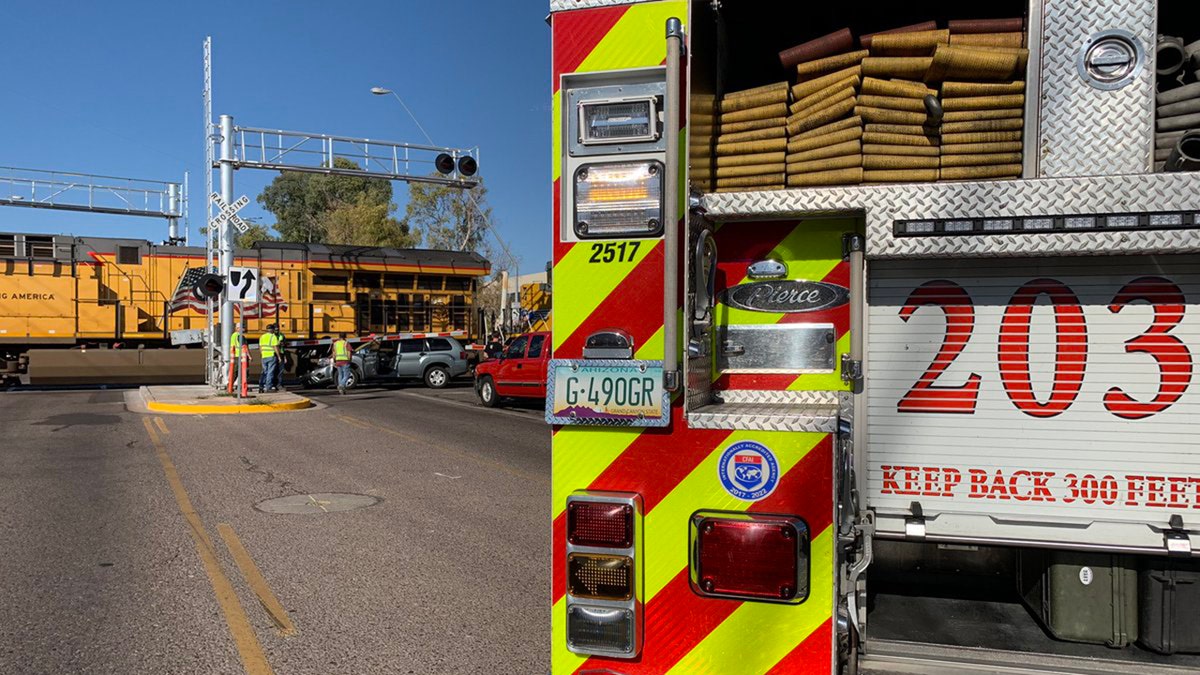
(59,290)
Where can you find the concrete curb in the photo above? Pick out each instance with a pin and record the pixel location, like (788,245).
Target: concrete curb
(201,409)
(198,400)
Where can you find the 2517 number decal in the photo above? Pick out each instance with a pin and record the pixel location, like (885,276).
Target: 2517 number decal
(1172,356)
(625,251)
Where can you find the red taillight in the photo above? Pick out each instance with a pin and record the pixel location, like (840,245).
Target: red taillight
(600,524)
(750,556)
(604,574)
(462,356)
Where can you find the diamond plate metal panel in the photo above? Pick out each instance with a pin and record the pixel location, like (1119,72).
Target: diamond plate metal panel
(1087,131)
(883,204)
(699,381)
(807,398)
(566,5)
(763,417)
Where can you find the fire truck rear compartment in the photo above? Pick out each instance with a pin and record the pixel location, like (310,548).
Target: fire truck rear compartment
(738,47)
(924,596)
(753,38)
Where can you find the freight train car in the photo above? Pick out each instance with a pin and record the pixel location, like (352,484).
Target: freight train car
(65,291)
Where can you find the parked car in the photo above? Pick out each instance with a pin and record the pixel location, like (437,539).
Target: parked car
(435,361)
(519,372)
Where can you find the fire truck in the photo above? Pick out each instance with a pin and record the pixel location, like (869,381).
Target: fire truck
(875,337)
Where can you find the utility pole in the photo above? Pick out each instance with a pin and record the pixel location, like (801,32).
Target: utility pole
(226,238)
(214,371)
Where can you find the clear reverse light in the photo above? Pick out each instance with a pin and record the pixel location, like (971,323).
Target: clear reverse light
(618,121)
(600,630)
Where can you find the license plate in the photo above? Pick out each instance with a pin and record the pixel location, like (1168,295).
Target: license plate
(607,392)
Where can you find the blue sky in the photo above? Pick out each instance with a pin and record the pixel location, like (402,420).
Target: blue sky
(115,88)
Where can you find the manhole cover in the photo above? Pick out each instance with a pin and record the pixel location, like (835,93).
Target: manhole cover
(321,502)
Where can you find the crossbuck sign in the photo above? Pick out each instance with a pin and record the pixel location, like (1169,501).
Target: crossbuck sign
(228,212)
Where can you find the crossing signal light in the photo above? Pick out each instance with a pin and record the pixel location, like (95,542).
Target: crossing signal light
(208,286)
(444,163)
(467,165)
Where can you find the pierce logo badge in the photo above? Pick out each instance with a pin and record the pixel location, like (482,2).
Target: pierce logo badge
(787,296)
(748,470)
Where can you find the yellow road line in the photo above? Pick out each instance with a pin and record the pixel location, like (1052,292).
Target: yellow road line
(254,662)
(256,581)
(355,422)
(162,426)
(361,423)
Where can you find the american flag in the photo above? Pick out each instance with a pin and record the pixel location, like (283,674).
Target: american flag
(184,298)
(270,300)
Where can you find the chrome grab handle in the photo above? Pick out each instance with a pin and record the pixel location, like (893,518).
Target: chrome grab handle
(674,35)
(705,284)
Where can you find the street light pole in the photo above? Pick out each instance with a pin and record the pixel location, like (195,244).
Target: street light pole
(380,91)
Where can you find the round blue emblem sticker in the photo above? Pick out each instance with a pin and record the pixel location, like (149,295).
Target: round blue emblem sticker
(748,470)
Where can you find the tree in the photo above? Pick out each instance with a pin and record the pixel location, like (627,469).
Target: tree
(335,209)
(448,217)
(256,232)
(368,223)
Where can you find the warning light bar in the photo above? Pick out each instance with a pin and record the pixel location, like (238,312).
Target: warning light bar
(1113,222)
(363,339)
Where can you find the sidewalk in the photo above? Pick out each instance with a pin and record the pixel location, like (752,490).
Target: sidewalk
(200,399)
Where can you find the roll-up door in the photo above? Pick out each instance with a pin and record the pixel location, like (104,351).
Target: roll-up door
(1049,400)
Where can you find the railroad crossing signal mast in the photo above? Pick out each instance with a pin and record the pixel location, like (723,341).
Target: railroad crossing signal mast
(278,150)
(94,193)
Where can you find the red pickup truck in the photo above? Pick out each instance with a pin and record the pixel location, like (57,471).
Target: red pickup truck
(519,372)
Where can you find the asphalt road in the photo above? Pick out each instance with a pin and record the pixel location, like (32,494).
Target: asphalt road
(133,547)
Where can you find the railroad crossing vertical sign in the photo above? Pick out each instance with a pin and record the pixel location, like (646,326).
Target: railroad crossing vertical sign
(228,212)
(243,284)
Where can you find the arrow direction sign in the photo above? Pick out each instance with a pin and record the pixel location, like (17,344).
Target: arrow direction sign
(228,212)
(243,284)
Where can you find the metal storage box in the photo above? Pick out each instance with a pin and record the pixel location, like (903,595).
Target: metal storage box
(1081,597)
(1169,595)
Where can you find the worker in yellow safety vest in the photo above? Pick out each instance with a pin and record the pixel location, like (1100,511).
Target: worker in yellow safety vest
(341,362)
(237,349)
(268,345)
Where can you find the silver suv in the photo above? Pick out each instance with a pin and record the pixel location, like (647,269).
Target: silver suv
(433,360)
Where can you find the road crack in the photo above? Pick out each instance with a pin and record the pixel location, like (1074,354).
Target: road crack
(268,477)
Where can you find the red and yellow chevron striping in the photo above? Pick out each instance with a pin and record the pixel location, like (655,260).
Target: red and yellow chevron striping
(676,470)
(682,627)
(812,250)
